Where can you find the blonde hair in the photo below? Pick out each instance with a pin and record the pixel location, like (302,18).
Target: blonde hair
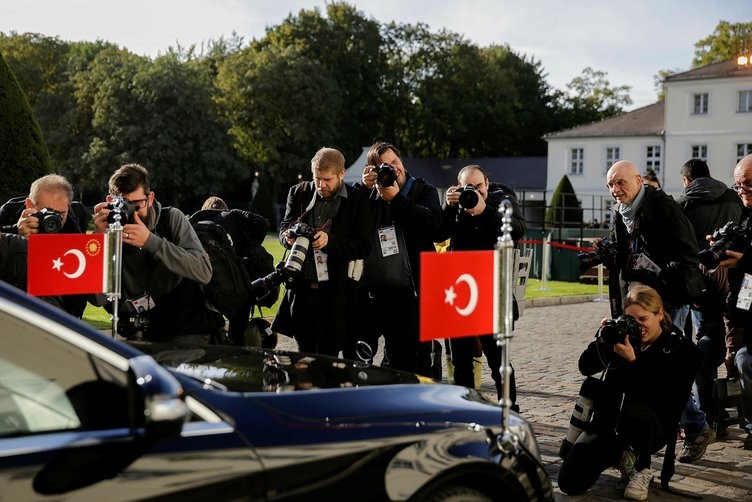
(649,299)
(214,202)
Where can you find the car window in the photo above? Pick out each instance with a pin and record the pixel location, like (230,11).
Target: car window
(47,383)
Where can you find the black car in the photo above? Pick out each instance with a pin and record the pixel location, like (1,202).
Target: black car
(85,417)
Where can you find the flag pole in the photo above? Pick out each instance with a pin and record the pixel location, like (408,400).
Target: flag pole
(115,242)
(505,270)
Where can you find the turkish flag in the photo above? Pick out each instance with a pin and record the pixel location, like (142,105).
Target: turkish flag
(67,264)
(458,294)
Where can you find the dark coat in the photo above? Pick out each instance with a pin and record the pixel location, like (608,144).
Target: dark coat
(665,234)
(661,378)
(417,212)
(709,204)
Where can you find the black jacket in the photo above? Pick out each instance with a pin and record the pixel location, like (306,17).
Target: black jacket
(665,234)
(709,204)
(417,213)
(661,377)
(480,232)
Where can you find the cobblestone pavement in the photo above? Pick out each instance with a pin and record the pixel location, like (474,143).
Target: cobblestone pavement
(548,340)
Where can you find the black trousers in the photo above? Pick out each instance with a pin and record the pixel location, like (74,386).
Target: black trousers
(463,352)
(637,428)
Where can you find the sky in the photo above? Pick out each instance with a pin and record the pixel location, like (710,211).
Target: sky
(630,40)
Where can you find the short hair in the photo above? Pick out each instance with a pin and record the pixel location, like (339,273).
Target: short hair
(649,299)
(328,159)
(377,150)
(695,168)
(472,167)
(214,202)
(50,183)
(128,178)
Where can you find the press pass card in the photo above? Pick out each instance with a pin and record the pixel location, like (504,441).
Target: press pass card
(745,293)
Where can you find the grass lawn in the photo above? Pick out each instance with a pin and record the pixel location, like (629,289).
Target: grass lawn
(100,319)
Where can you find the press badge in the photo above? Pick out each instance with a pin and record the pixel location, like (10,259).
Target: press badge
(142,303)
(642,262)
(322,270)
(745,293)
(388,241)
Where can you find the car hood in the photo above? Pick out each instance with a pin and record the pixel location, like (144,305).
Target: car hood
(244,369)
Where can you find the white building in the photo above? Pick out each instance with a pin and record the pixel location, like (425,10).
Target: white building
(707,114)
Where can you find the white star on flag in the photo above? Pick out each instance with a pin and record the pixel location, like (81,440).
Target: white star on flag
(449,295)
(57,264)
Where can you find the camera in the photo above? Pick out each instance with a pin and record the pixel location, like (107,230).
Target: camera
(386,175)
(614,331)
(468,196)
(50,221)
(605,253)
(287,271)
(729,236)
(120,206)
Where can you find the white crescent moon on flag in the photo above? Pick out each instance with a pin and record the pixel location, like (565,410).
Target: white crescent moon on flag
(81,264)
(473,301)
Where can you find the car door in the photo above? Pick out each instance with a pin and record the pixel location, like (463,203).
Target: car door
(79,420)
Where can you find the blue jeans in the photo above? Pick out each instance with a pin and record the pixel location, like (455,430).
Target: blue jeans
(743,363)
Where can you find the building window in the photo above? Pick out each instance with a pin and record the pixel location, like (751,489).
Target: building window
(699,152)
(612,156)
(576,160)
(700,106)
(745,101)
(653,158)
(742,150)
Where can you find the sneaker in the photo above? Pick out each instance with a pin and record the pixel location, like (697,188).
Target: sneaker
(748,442)
(638,485)
(694,449)
(626,465)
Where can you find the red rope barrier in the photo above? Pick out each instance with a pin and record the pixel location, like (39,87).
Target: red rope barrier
(557,245)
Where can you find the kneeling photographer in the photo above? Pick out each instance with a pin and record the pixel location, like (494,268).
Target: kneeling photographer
(648,367)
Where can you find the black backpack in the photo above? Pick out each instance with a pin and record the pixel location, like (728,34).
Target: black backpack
(227,289)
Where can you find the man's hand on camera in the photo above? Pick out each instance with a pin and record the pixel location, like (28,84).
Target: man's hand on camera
(100,217)
(453,196)
(28,223)
(369,176)
(136,234)
(388,193)
(731,259)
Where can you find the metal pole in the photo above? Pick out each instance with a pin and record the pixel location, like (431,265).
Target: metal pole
(545,258)
(600,285)
(505,263)
(115,241)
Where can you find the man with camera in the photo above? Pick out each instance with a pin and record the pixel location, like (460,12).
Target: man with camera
(738,261)
(326,226)
(47,209)
(164,264)
(710,206)
(408,215)
(472,221)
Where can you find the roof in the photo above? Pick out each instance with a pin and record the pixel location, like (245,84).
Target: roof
(724,69)
(645,121)
(520,173)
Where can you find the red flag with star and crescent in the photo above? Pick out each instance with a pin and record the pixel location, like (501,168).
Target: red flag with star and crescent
(66,264)
(458,294)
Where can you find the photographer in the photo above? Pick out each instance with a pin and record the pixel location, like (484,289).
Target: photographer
(471,220)
(335,218)
(47,209)
(164,265)
(408,214)
(739,327)
(652,365)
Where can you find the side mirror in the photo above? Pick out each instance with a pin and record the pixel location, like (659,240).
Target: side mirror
(152,408)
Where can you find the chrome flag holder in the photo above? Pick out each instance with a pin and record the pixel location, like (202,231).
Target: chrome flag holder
(115,266)
(507,442)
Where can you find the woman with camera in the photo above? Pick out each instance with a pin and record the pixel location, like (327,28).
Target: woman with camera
(649,369)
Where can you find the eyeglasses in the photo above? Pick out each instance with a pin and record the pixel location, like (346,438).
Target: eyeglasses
(745,186)
(616,183)
(139,203)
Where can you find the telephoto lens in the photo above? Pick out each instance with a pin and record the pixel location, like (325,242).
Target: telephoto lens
(50,221)
(468,197)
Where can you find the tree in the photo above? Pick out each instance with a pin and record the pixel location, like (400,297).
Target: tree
(565,210)
(727,41)
(591,97)
(25,156)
